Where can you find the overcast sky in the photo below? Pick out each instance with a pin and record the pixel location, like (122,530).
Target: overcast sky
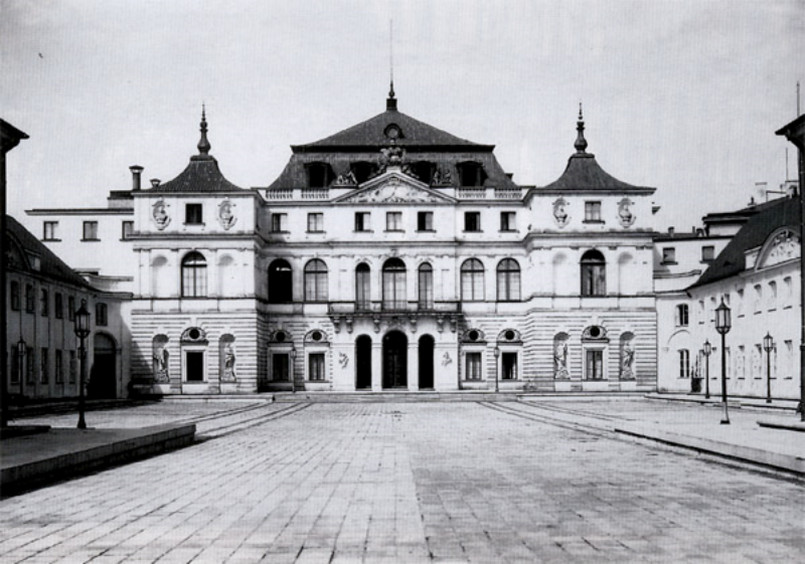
(684,96)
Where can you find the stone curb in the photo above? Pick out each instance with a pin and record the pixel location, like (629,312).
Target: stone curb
(49,469)
(794,464)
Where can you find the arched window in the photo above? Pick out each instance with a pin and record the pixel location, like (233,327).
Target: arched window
(508,280)
(593,274)
(394,284)
(472,280)
(315,281)
(194,275)
(425,286)
(362,286)
(280,282)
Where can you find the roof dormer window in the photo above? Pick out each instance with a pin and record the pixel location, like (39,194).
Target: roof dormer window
(423,171)
(471,174)
(319,175)
(363,170)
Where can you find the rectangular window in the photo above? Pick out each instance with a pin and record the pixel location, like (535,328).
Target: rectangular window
(73,368)
(90,231)
(192,214)
(101,314)
(789,359)
(758,298)
(30,369)
(473,365)
(59,367)
(30,298)
(424,221)
(772,297)
(668,255)
(50,231)
(279,222)
(43,369)
(708,253)
(280,364)
(394,221)
(194,364)
(592,212)
(508,221)
(362,221)
(71,308)
(682,315)
(58,305)
(45,302)
(126,229)
(315,222)
(14,297)
(788,292)
(14,357)
(508,366)
(684,363)
(594,367)
(472,221)
(315,367)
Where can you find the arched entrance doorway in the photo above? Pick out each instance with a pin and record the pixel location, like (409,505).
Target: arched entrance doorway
(425,362)
(395,353)
(363,362)
(103,375)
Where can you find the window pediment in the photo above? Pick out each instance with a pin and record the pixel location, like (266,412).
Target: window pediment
(395,188)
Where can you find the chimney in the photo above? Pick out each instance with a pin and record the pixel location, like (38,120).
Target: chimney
(136,171)
(155,182)
(671,230)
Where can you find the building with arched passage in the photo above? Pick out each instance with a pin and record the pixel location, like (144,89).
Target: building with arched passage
(391,255)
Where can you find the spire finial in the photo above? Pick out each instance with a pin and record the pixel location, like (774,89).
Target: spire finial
(581,142)
(391,101)
(203,144)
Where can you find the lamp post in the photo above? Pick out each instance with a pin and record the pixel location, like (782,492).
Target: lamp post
(497,354)
(21,348)
(768,345)
(723,324)
(82,332)
(293,380)
(707,350)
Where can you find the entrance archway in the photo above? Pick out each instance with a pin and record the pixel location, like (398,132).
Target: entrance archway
(395,355)
(103,375)
(363,362)
(425,362)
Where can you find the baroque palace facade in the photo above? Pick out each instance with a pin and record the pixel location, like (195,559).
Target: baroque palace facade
(391,255)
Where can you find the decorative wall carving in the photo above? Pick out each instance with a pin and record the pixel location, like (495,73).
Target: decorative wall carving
(783,247)
(560,214)
(159,213)
(226,215)
(625,215)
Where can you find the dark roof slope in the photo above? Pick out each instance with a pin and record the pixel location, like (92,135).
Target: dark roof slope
(202,173)
(770,217)
(50,265)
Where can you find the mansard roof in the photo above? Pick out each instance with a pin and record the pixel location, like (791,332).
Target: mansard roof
(366,141)
(202,173)
(769,217)
(583,173)
(50,266)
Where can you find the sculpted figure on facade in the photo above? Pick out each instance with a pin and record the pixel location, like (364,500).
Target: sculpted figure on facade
(226,216)
(627,361)
(160,214)
(560,360)
(229,363)
(346,179)
(560,215)
(161,357)
(625,215)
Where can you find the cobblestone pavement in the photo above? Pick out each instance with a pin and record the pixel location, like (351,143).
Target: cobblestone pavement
(410,482)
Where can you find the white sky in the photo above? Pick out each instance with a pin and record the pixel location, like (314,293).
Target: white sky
(681,95)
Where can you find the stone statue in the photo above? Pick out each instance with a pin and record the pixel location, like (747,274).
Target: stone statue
(161,357)
(627,361)
(229,363)
(560,360)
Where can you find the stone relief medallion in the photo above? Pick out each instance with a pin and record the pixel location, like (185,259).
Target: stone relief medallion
(560,215)
(160,214)
(226,215)
(343,360)
(625,215)
(783,247)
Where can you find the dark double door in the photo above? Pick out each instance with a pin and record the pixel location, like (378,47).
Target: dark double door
(394,361)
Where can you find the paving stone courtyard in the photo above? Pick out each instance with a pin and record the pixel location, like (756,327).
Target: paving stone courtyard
(411,482)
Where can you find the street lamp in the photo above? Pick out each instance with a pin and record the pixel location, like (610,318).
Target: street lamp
(707,350)
(82,332)
(293,380)
(723,325)
(768,345)
(497,354)
(21,349)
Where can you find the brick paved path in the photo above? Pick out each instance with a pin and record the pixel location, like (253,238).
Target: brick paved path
(410,482)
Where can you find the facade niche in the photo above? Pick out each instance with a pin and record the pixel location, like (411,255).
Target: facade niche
(226,354)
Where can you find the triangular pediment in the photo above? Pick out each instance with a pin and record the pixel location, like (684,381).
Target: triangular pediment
(394,187)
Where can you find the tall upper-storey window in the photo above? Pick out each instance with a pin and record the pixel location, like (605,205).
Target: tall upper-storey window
(362,286)
(472,221)
(394,284)
(592,212)
(508,280)
(472,280)
(682,315)
(363,221)
(90,232)
(50,231)
(593,274)
(193,214)
(315,281)
(194,275)
(425,284)
(280,282)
